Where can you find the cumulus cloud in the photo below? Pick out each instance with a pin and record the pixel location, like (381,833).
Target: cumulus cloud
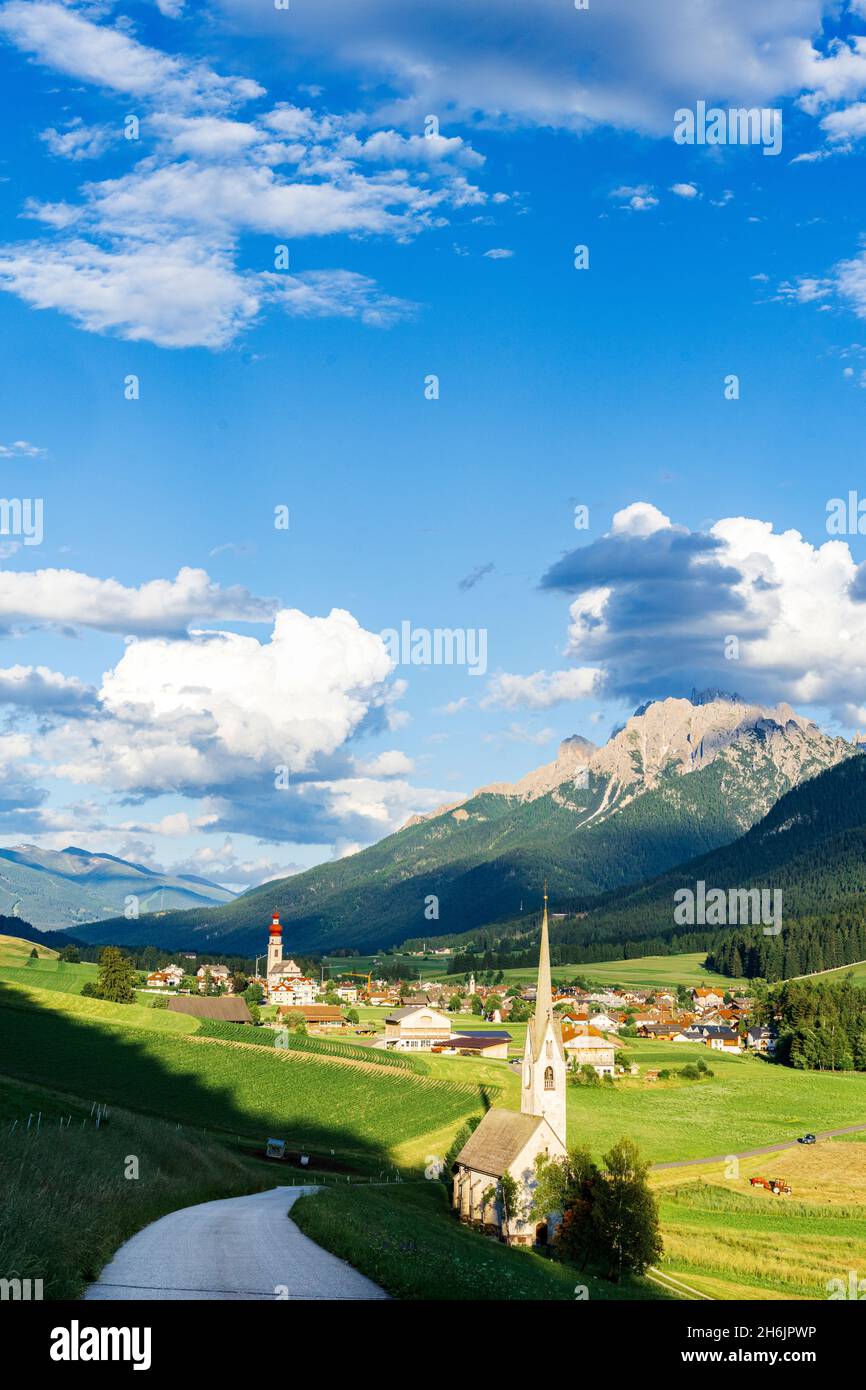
(42,690)
(258,733)
(172,293)
(627,66)
(656,613)
(685,190)
(52,596)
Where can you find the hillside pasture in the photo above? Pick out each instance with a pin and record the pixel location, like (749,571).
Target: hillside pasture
(139,1058)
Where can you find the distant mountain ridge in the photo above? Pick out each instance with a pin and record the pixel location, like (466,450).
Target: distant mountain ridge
(64,888)
(681,778)
(811,845)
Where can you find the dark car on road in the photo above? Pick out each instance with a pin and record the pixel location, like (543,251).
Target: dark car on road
(807,1139)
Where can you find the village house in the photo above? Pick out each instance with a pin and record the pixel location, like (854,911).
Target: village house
(662,1032)
(722,1039)
(604,1023)
(416,1026)
(511,1142)
(347,993)
(704,999)
(217,974)
(593,1050)
(169,977)
(759,1039)
(292,993)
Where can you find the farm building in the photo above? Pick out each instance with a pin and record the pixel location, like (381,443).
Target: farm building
(416,1026)
(222,1010)
(314,1015)
(491,1045)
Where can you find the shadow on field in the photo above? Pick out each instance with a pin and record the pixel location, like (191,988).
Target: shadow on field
(162,1074)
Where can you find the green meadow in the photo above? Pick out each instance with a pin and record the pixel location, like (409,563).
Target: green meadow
(643,972)
(158,1063)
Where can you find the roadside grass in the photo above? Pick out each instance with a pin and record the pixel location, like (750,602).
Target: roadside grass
(67,1204)
(406,1239)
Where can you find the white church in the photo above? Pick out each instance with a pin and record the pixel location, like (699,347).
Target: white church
(507,1141)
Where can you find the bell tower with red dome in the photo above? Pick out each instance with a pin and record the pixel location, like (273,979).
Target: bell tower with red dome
(275,945)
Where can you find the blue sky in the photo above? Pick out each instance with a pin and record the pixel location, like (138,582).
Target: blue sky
(130,724)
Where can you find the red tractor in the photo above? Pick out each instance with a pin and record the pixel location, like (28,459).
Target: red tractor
(780,1187)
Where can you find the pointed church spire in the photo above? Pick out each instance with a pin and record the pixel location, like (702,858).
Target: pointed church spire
(544,991)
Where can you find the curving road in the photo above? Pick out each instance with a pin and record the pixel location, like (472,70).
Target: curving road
(237,1248)
(753,1153)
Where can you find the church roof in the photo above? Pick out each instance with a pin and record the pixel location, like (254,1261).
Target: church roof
(498,1140)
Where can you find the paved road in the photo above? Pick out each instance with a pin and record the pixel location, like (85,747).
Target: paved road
(753,1153)
(238,1248)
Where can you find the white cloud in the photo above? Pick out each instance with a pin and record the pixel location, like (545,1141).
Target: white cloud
(175,293)
(158,606)
(660,610)
(541,690)
(638,519)
(639,198)
(71,44)
(20,448)
(390,147)
(392,763)
(685,190)
(79,141)
(628,66)
(499,253)
(42,690)
(338,294)
(285,701)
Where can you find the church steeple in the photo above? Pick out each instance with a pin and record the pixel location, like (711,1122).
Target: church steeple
(544,989)
(543,1090)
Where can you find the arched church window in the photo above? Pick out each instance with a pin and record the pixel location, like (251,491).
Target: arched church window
(548,1079)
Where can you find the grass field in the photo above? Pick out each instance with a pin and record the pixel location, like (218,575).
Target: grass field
(733,1241)
(643,971)
(154,1061)
(411,967)
(17,950)
(408,1242)
(747,1103)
